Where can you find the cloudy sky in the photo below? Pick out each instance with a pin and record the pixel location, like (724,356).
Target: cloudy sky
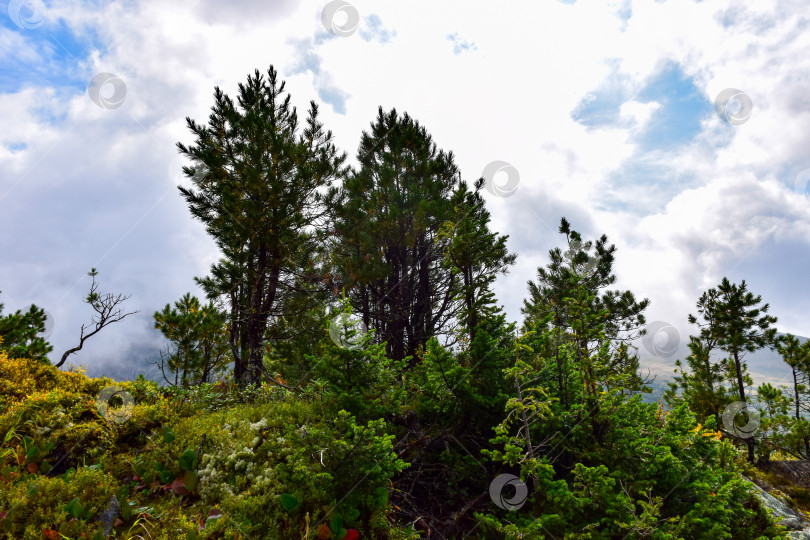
(680,129)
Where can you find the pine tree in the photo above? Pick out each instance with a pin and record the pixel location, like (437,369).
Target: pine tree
(199,347)
(797,356)
(603,317)
(387,252)
(699,384)
(257,186)
(19,334)
(476,254)
(733,321)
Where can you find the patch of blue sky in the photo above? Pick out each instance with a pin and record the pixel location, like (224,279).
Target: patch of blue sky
(306,60)
(740,15)
(16,146)
(333,96)
(676,121)
(375,30)
(461,45)
(625,11)
(601,107)
(683,106)
(644,183)
(61,57)
(796,176)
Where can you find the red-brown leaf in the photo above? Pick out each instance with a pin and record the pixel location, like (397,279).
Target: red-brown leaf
(178,486)
(323,531)
(215,512)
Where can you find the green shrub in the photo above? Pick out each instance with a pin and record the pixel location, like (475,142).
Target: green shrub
(257,456)
(656,474)
(362,381)
(39,502)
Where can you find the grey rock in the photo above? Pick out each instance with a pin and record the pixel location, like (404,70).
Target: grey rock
(107,517)
(783,514)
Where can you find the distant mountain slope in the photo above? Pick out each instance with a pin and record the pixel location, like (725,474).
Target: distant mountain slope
(764,365)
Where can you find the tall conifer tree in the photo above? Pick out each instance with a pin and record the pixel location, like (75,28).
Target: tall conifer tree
(568,292)
(477,254)
(733,321)
(388,252)
(257,187)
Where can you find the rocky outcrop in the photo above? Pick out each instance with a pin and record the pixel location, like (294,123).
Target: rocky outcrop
(797,472)
(797,525)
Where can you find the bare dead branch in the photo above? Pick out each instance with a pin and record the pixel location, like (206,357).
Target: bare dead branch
(107,309)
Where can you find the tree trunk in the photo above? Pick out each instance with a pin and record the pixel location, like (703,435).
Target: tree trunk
(422,330)
(469,293)
(798,412)
(560,383)
(750,440)
(396,298)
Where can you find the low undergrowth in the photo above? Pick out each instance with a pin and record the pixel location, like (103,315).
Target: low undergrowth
(213,462)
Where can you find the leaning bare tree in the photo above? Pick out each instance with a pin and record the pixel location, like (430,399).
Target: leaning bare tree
(108,310)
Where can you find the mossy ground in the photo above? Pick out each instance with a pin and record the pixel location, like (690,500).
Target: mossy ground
(212,462)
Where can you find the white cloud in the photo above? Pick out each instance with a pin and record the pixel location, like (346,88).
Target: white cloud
(638,114)
(96,187)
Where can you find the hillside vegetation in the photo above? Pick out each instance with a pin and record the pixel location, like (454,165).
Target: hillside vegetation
(216,462)
(351,375)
